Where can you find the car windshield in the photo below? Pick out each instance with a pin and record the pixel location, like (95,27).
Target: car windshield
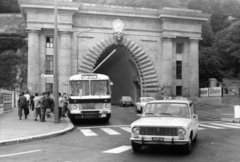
(126,98)
(179,110)
(147,99)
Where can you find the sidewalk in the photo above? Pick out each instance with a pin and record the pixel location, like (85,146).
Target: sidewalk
(14,131)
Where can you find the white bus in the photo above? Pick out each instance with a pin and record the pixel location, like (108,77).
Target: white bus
(90,96)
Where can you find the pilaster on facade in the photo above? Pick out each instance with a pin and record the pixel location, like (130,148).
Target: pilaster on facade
(194,66)
(167,67)
(64,59)
(34,61)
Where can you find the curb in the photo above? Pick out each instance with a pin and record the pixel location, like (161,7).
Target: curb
(231,120)
(41,136)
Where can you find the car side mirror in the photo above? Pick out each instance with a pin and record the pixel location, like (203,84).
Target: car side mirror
(194,115)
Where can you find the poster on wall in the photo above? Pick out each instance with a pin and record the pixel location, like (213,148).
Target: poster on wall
(203,92)
(215,91)
(231,91)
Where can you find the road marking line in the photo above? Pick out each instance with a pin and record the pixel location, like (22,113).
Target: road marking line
(88,132)
(225,125)
(132,111)
(139,114)
(128,129)
(201,128)
(110,131)
(111,126)
(20,153)
(227,114)
(209,126)
(236,124)
(118,150)
(218,110)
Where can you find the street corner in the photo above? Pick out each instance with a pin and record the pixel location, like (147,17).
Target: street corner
(231,120)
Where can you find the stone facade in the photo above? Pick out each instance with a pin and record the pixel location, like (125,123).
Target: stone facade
(150,36)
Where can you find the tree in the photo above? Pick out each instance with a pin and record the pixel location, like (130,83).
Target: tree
(227,45)
(9,63)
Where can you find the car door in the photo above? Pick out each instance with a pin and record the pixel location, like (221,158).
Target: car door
(194,117)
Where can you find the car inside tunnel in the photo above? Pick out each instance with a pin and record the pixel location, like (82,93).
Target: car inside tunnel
(121,69)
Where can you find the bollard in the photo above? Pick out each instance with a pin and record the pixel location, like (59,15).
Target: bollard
(237,111)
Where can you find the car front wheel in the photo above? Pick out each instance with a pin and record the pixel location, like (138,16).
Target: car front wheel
(136,147)
(187,148)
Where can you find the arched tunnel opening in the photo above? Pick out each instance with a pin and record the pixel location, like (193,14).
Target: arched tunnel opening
(123,72)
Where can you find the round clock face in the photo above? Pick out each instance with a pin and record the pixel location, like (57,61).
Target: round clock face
(118,25)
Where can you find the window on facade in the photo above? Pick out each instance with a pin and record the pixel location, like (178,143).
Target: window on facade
(49,64)
(179,70)
(49,87)
(49,42)
(179,90)
(179,49)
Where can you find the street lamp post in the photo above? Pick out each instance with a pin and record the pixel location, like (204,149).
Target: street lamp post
(77,44)
(55,89)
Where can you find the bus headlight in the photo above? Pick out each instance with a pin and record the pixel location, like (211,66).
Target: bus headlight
(107,105)
(74,107)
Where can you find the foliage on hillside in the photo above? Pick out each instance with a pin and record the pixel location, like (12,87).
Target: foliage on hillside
(12,64)
(9,6)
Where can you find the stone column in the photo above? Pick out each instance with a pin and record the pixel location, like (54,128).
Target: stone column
(42,55)
(167,64)
(33,62)
(64,61)
(194,67)
(185,70)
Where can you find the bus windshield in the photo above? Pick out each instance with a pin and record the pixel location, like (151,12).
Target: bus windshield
(93,87)
(99,87)
(80,88)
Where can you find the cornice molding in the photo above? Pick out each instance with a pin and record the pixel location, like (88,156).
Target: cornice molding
(162,16)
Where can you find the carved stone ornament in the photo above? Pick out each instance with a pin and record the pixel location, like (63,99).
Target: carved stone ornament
(118,26)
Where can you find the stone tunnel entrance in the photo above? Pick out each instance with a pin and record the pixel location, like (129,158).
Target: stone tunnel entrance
(122,70)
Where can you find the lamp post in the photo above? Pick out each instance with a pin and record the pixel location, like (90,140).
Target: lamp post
(55,88)
(77,43)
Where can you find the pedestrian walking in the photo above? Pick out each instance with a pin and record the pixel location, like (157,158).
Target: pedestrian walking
(65,104)
(44,105)
(50,104)
(28,102)
(22,106)
(37,106)
(32,102)
(60,105)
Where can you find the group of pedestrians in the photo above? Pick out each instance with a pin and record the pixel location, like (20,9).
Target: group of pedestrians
(42,105)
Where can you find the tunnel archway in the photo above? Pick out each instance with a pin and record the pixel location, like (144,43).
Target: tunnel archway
(147,79)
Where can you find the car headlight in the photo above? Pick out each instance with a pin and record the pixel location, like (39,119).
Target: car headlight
(136,130)
(181,132)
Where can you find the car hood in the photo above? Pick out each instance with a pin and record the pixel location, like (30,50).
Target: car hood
(162,121)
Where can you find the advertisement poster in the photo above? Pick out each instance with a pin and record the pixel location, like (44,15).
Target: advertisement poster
(203,92)
(215,91)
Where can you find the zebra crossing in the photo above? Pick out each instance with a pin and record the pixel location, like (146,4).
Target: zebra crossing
(118,130)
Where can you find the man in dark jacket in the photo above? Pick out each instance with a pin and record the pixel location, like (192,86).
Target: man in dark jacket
(44,106)
(50,104)
(22,105)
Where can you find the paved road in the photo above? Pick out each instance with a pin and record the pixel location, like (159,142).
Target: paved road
(217,141)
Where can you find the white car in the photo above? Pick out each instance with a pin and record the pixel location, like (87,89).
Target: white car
(166,122)
(140,104)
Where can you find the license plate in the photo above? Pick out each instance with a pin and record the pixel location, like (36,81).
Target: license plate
(104,115)
(157,139)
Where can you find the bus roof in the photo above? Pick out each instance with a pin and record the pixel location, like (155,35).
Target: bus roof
(89,76)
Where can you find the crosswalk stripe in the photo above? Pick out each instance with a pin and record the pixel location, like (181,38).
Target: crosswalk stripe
(236,124)
(128,129)
(209,126)
(88,132)
(224,125)
(110,131)
(118,150)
